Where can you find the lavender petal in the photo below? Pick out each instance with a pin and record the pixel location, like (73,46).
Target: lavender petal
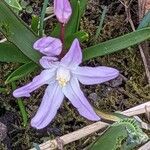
(74,56)
(52,100)
(48,62)
(95,75)
(45,77)
(73,92)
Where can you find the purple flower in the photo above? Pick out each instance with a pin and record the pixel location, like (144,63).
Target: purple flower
(62,10)
(63,79)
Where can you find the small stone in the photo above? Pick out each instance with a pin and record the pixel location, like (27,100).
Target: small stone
(3,131)
(93,96)
(115,82)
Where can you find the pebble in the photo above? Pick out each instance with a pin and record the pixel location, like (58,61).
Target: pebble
(115,82)
(3,131)
(93,96)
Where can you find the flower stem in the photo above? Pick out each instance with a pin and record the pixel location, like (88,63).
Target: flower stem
(62,38)
(21,107)
(62,34)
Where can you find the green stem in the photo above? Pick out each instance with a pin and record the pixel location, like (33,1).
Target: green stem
(42,17)
(101,22)
(79,14)
(21,107)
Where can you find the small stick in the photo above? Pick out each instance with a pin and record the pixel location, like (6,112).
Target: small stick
(71,137)
(143,56)
(144,7)
(141,5)
(145,146)
(140,109)
(51,16)
(3,40)
(76,135)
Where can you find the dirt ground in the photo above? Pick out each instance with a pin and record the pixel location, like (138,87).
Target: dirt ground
(126,91)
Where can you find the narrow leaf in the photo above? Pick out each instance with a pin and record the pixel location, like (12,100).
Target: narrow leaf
(42,17)
(17,32)
(22,108)
(145,21)
(117,44)
(10,53)
(35,23)
(21,72)
(14,3)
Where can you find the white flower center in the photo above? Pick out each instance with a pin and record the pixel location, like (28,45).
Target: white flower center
(62,76)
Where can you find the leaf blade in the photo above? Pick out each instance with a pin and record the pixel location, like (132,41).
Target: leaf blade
(116,44)
(17,32)
(10,53)
(21,72)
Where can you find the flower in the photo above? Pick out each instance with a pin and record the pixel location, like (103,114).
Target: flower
(62,10)
(63,79)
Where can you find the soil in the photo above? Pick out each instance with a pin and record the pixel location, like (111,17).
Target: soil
(126,91)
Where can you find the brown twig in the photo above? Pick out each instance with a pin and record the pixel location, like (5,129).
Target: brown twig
(141,5)
(145,146)
(142,48)
(144,7)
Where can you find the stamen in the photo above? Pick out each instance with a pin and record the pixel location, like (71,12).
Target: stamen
(63,76)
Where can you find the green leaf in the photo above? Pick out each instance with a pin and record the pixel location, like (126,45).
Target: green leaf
(125,134)
(17,32)
(35,23)
(21,72)
(117,44)
(78,7)
(81,36)
(14,3)
(145,21)
(22,108)
(10,53)
(42,17)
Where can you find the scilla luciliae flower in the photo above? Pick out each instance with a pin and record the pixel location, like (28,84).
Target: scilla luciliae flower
(63,78)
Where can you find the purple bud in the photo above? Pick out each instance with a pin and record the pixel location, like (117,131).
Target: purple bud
(48,46)
(62,10)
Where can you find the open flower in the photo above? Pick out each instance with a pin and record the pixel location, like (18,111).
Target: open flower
(63,79)
(62,10)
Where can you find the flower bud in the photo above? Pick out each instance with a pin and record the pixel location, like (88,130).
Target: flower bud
(62,10)
(48,46)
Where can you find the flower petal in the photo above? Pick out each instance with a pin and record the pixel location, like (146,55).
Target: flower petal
(95,75)
(44,78)
(48,62)
(62,10)
(73,92)
(52,100)
(48,46)
(74,56)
